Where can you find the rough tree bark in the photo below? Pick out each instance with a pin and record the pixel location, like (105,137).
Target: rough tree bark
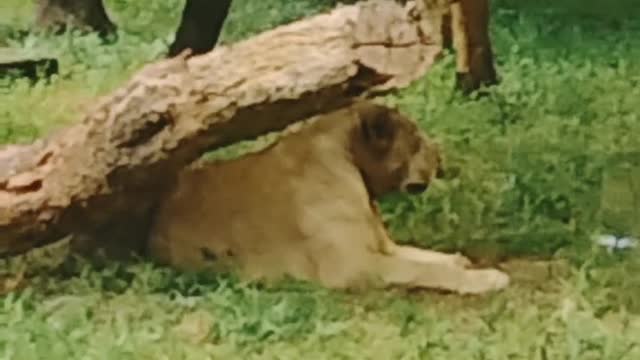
(200,26)
(89,15)
(98,175)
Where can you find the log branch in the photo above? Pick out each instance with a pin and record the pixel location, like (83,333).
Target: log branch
(113,163)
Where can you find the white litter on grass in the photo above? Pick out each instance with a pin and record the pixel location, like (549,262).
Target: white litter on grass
(612,242)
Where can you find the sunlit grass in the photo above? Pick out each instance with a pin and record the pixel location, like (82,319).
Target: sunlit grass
(529,160)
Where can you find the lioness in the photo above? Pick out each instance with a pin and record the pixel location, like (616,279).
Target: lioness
(304,207)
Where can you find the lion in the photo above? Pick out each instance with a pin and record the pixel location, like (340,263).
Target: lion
(304,208)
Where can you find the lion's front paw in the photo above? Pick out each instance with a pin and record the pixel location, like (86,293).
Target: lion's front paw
(460,260)
(388,248)
(484,280)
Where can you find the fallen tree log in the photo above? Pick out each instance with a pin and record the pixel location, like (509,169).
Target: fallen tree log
(101,175)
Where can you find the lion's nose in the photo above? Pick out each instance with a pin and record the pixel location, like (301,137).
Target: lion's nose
(415,188)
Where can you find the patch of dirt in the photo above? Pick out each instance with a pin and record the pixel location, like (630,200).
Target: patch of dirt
(535,271)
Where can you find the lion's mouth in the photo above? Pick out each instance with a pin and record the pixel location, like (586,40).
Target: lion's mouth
(415,188)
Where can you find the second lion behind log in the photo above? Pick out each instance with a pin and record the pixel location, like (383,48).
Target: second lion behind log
(304,207)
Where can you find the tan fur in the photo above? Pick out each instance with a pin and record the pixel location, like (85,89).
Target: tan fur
(304,207)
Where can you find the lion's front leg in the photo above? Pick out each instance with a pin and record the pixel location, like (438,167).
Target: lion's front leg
(416,268)
(430,256)
(384,243)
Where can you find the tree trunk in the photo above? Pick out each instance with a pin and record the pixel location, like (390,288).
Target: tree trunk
(464,24)
(200,26)
(474,55)
(98,175)
(87,15)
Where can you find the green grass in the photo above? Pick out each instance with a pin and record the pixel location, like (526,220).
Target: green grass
(527,164)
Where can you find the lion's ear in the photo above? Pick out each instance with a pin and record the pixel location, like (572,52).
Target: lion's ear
(377,126)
